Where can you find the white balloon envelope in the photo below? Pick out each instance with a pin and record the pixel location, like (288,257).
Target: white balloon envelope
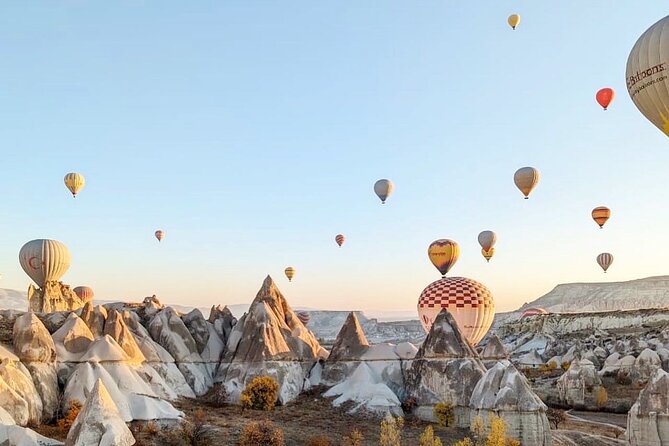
(44,260)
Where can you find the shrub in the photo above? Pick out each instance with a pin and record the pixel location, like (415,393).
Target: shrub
(320,440)
(409,404)
(601,397)
(443,412)
(190,432)
(623,378)
(623,407)
(217,396)
(428,438)
(565,366)
(497,434)
(464,442)
(260,394)
(151,428)
(73,409)
(551,365)
(261,433)
(355,438)
(391,431)
(555,417)
(478,429)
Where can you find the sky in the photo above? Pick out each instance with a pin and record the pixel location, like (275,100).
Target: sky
(252,133)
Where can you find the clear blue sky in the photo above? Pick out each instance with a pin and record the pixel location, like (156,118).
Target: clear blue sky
(252,133)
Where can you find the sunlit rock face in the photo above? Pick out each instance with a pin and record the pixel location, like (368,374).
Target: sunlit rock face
(369,376)
(505,392)
(36,350)
(445,370)
(53,296)
(648,419)
(269,340)
(99,422)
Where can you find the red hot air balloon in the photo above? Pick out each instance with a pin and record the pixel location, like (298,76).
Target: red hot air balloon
(304,317)
(605,97)
(160,235)
(340,239)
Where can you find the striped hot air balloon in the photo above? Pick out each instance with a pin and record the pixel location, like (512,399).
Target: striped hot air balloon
(160,235)
(601,214)
(304,317)
(488,254)
(526,179)
(84,293)
(340,239)
(74,182)
(290,273)
(44,260)
(533,312)
(443,254)
(469,301)
(605,260)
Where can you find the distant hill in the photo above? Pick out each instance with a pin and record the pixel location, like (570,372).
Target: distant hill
(13,300)
(651,292)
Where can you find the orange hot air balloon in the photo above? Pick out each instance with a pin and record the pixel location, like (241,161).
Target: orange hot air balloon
(160,235)
(605,96)
(601,214)
(84,293)
(443,254)
(340,239)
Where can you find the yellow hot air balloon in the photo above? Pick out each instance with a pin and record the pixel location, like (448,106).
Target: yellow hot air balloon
(647,74)
(443,254)
(488,254)
(44,260)
(160,235)
(290,273)
(601,214)
(605,260)
(526,179)
(383,189)
(469,301)
(74,182)
(513,20)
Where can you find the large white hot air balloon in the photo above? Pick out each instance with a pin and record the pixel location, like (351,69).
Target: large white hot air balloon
(469,301)
(647,74)
(44,260)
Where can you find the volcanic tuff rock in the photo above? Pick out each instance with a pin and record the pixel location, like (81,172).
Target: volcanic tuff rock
(505,392)
(648,419)
(94,316)
(580,378)
(223,321)
(445,370)
(18,394)
(493,351)
(36,350)
(99,422)
(269,340)
(54,296)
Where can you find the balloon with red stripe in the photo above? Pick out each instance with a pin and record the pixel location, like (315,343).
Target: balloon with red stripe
(340,239)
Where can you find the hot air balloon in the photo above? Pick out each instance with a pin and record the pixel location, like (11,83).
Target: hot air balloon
(304,317)
(488,254)
(513,20)
(160,235)
(85,293)
(74,182)
(340,239)
(290,273)
(383,188)
(44,260)
(647,74)
(601,214)
(526,179)
(487,240)
(605,97)
(605,260)
(469,301)
(443,254)
(533,312)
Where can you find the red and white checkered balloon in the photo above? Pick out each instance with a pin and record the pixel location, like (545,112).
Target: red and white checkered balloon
(469,301)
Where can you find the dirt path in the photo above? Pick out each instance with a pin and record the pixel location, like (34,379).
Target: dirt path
(604,418)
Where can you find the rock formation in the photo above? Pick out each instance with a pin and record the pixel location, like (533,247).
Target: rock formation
(99,422)
(505,392)
(648,419)
(493,352)
(646,364)
(577,381)
(54,296)
(269,340)
(445,370)
(36,350)
(18,394)
(223,321)
(94,317)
